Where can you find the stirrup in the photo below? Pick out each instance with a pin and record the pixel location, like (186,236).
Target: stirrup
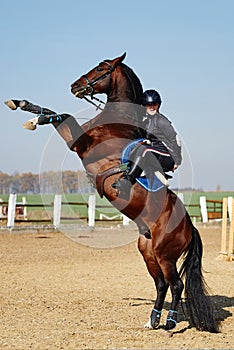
(123,187)
(115,184)
(117,181)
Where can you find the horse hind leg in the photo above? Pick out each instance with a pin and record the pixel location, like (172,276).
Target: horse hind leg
(145,248)
(176,287)
(161,287)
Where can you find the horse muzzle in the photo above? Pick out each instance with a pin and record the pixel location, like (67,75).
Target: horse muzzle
(81,91)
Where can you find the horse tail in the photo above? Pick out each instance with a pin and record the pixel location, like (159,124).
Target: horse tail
(198,302)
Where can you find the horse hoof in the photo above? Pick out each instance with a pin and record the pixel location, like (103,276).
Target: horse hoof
(31,124)
(155,318)
(169,326)
(171,320)
(11,104)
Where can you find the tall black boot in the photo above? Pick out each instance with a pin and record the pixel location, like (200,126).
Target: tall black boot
(124,184)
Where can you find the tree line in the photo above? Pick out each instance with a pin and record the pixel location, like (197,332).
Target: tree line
(47,182)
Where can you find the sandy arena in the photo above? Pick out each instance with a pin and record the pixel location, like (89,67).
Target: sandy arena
(59,294)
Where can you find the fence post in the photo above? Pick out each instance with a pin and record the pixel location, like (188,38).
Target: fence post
(203,209)
(91,210)
(230,201)
(25,208)
(180,195)
(231,232)
(1,209)
(11,210)
(224,227)
(57,210)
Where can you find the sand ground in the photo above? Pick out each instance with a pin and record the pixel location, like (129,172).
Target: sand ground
(59,294)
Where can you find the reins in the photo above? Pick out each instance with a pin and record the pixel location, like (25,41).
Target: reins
(93,103)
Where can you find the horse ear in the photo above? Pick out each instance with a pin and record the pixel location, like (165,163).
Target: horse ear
(122,57)
(118,60)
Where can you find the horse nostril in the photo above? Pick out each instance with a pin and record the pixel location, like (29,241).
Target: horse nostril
(75,85)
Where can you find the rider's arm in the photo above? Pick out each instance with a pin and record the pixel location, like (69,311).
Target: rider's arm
(172,139)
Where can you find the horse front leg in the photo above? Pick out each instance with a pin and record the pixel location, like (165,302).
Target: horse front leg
(65,124)
(145,248)
(42,113)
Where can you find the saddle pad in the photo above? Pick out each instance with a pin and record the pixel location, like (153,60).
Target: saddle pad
(150,184)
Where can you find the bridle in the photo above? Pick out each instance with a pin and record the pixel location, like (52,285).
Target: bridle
(89,90)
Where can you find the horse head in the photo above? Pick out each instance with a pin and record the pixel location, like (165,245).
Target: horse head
(97,80)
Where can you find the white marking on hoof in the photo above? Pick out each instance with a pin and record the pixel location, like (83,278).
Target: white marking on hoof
(10,104)
(148,325)
(31,124)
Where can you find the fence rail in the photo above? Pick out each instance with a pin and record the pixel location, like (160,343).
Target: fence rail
(17,212)
(11,213)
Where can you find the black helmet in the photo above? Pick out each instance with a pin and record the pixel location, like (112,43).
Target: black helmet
(151,97)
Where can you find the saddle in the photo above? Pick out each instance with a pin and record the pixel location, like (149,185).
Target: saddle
(149,182)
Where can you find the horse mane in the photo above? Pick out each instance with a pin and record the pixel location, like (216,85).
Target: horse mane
(134,82)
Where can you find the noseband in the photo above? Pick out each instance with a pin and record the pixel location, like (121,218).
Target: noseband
(89,88)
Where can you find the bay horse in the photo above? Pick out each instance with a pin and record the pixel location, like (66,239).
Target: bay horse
(166,232)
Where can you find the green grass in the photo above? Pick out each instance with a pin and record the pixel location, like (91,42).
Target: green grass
(193,197)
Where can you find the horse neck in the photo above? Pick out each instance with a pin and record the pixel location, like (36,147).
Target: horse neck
(122,108)
(124,89)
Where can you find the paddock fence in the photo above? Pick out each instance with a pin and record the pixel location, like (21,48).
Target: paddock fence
(13,212)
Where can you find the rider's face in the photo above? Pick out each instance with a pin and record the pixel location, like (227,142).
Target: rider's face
(152,109)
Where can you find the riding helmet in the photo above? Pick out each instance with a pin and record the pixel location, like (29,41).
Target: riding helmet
(151,97)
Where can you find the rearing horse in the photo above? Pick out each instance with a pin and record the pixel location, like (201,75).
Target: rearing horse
(166,231)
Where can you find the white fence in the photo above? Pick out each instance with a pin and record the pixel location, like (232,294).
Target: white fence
(11,213)
(207,215)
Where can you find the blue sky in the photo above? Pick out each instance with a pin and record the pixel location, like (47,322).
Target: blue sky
(184,49)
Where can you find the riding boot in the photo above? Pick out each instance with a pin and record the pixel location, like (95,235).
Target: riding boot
(124,184)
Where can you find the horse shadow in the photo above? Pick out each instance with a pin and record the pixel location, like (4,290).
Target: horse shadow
(219,302)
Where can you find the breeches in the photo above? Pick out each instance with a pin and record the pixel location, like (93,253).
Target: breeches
(153,158)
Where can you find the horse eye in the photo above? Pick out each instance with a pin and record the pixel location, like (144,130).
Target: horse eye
(99,69)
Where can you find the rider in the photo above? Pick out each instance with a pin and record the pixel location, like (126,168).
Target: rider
(161,151)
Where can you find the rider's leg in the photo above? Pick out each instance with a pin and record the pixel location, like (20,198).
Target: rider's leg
(125,183)
(166,162)
(144,157)
(159,163)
